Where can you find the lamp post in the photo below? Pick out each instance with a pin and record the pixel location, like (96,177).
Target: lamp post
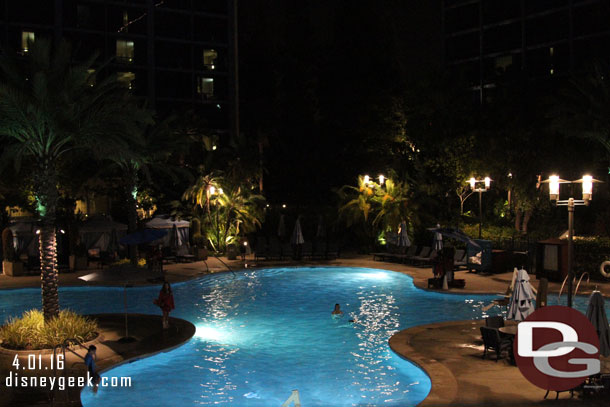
(484,185)
(587,194)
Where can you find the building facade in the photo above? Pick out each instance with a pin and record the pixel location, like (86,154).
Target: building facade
(177,54)
(542,38)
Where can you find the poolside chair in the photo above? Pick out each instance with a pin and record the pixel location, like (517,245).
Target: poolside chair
(332,250)
(275,249)
(319,249)
(410,253)
(493,341)
(459,259)
(306,250)
(496,321)
(422,260)
(391,251)
(424,253)
(287,251)
(261,248)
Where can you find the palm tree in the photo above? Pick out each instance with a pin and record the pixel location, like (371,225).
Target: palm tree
(51,107)
(230,209)
(392,201)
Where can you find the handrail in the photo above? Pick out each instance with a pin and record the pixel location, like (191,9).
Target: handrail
(561,289)
(573,281)
(225,264)
(580,279)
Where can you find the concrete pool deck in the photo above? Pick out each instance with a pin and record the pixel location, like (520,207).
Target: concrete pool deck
(449,352)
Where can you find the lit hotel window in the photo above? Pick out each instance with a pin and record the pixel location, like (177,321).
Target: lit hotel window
(205,87)
(209,58)
(27,38)
(124,50)
(126,79)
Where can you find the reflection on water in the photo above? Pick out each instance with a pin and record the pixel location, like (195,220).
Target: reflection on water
(261,334)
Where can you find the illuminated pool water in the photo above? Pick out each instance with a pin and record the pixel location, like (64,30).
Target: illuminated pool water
(261,334)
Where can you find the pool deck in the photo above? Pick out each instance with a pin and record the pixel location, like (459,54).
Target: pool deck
(149,339)
(449,352)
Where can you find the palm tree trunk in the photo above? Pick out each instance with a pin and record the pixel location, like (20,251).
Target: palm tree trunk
(132,214)
(47,195)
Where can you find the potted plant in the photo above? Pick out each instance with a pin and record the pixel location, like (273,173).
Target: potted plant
(10,264)
(201,251)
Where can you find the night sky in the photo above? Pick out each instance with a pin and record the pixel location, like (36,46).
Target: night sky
(316,76)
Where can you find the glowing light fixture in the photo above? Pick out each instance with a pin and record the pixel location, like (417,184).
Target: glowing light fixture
(381,179)
(554,187)
(366,180)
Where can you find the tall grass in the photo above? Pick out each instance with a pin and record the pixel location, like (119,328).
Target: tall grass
(30,332)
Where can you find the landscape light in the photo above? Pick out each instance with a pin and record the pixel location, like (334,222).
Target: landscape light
(487,182)
(472,182)
(366,180)
(381,179)
(212,190)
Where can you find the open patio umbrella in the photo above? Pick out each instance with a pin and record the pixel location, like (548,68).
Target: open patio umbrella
(403,237)
(297,234)
(522,300)
(143,236)
(597,315)
(281,228)
(124,276)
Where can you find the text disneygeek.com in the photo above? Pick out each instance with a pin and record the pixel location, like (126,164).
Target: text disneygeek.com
(14,380)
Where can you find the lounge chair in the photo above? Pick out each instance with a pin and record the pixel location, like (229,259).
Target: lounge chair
(332,250)
(275,249)
(459,259)
(424,252)
(494,322)
(306,250)
(425,257)
(183,255)
(411,252)
(493,341)
(391,251)
(287,251)
(261,248)
(319,249)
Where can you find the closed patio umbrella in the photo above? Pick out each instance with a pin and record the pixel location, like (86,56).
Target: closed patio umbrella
(597,315)
(297,234)
(281,228)
(522,301)
(403,237)
(438,240)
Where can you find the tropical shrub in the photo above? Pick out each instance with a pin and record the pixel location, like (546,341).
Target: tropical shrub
(31,332)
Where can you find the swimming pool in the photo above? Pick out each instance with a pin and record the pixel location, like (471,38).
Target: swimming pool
(261,334)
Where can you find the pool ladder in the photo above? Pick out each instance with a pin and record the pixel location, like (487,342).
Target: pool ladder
(56,352)
(294,398)
(577,285)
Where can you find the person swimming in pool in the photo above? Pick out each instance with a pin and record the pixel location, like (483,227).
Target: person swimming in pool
(337,310)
